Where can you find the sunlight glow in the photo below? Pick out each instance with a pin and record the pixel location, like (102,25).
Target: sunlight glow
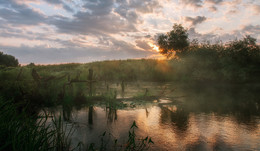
(155,47)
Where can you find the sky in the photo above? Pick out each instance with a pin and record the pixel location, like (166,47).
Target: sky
(64,31)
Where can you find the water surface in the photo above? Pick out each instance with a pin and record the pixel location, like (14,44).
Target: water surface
(177,117)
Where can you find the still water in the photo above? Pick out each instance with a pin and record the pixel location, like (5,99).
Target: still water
(177,117)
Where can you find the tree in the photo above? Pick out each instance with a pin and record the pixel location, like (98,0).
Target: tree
(8,60)
(244,51)
(175,41)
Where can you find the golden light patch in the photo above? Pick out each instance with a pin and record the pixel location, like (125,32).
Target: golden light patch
(156,48)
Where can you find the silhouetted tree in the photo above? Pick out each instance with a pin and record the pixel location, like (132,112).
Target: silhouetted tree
(174,41)
(8,60)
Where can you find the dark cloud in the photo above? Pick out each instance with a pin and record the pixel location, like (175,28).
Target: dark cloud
(99,8)
(60,3)
(105,17)
(146,6)
(200,3)
(19,14)
(142,6)
(129,15)
(213,9)
(130,10)
(98,17)
(215,1)
(194,3)
(86,23)
(196,20)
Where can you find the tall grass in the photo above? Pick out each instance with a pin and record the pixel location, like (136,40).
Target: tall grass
(133,143)
(19,131)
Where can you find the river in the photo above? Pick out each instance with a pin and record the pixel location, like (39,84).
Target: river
(175,116)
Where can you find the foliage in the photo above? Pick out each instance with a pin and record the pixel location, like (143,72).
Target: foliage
(236,61)
(133,143)
(8,60)
(19,131)
(174,41)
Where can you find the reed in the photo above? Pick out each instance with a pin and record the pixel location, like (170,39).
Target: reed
(20,131)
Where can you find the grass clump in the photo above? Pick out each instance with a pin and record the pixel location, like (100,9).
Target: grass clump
(133,143)
(20,131)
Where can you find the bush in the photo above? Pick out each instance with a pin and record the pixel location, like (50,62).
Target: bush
(8,60)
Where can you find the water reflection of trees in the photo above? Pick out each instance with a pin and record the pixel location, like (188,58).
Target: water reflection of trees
(178,119)
(67,111)
(90,115)
(238,101)
(111,114)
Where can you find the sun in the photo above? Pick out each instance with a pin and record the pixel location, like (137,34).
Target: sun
(156,48)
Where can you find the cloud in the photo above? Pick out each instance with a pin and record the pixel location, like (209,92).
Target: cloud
(214,1)
(193,34)
(99,8)
(251,30)
(42,54)
(146,6)
(200,3)
(112,29)
(232,12)
(143,6)
(143,44)
(196,20)
(213,8)
(129,15)
(256,9)
(97,17)
(19,14)
(60,3)
(105,17)
(86,23)
(193,3)
(128,48)
(244,30)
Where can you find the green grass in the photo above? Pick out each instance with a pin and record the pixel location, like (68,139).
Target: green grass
(205,63)
(20,131)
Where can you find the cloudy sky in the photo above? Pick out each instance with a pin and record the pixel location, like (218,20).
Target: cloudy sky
(61,31)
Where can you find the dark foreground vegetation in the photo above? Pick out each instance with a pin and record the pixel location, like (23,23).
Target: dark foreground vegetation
(8,60)
(31,88)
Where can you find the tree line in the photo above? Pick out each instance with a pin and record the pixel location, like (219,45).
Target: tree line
(237,60)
